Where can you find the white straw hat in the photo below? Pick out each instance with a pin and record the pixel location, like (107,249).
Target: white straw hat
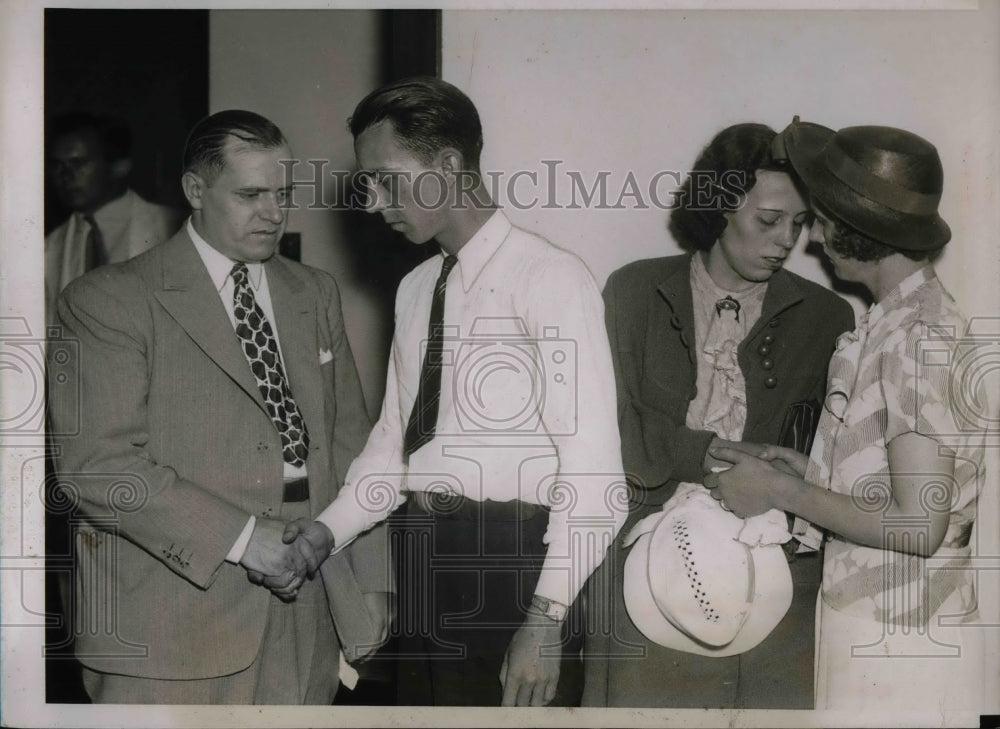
(691,585)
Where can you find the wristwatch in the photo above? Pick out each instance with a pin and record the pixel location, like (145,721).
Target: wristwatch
(551,609)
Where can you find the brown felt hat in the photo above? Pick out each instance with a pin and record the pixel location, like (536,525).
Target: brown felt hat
(882,181)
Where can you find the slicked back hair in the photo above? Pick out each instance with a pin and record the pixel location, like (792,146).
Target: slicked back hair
(204,152)
(427,115)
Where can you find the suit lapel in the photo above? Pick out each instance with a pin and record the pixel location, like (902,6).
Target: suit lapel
(190,297)
(676,291)
(782,292)
(296,322)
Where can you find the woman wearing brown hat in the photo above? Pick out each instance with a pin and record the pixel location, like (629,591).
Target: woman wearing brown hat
(719,345)
(895,471)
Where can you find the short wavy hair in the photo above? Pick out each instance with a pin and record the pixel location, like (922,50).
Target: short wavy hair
(726,169)
(849,242)
(427,115)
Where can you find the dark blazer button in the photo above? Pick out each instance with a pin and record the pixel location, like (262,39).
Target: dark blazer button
(771,382)
(767,364)
(763,350)
(768,338)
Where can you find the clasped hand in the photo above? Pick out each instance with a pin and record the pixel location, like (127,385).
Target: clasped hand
(282,556)
(745,487)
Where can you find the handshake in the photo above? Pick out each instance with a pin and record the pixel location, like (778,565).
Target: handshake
(281,556)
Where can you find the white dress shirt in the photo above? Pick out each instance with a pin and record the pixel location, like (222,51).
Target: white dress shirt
(220,270)
(129,226)
(528,406)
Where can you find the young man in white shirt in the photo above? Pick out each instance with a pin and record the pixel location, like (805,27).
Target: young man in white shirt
(498,427)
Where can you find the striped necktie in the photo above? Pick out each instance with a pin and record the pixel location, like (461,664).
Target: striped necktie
(423,417)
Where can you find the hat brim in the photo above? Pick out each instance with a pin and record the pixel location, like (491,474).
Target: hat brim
(896,230)
(772,598)
(804,141)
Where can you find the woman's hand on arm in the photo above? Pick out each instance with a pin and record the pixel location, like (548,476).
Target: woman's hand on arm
(747,486)
(896,515)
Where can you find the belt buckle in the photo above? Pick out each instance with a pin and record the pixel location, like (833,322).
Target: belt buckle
(296,491)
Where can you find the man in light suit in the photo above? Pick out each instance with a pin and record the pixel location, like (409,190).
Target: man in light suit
(89,163)
(218,400)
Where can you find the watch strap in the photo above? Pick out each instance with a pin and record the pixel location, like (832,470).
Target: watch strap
(551,609)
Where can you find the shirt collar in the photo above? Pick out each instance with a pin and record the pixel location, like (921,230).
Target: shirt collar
(220,266)
(117,210)
(897,298)
(480,248)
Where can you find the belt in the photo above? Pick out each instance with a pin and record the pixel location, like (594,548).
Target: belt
(296,490)
(454,506)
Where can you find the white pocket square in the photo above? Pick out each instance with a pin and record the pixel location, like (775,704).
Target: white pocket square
(325,355)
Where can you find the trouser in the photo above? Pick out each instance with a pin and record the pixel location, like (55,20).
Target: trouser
(297,663)
(468,572)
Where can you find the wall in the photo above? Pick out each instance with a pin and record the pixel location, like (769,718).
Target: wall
(643,91)
(160,95)
(306,71)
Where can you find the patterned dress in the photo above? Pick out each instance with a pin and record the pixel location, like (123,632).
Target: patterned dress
(893,628)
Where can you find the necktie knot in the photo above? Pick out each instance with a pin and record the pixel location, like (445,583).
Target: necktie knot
(95,251)
(240,274)
(449,263)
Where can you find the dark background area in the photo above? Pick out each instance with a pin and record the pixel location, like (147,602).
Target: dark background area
(149,69)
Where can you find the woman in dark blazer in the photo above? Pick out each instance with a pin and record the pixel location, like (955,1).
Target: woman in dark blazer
(740,215)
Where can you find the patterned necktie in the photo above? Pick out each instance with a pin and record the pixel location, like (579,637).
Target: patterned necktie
(261,350)
(423,417)
(95,252)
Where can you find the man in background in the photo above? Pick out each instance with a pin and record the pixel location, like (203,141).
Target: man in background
(89,162)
